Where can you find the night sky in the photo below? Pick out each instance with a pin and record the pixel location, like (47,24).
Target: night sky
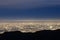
(29,9)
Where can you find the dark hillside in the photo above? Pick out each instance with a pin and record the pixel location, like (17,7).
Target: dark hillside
(44,35)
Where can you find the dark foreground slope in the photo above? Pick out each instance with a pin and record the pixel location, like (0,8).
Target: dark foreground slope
(43,35)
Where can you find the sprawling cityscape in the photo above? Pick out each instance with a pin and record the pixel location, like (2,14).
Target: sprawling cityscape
(28,25)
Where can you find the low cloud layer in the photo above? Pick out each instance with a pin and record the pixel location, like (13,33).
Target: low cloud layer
(28,3)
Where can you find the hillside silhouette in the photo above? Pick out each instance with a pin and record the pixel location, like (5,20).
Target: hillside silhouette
(40,35)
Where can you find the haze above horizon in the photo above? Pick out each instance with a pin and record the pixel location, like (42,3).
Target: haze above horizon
(29,9)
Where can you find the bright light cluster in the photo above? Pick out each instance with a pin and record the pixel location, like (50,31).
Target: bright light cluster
(29,26)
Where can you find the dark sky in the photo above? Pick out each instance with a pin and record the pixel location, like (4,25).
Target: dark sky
(29,9)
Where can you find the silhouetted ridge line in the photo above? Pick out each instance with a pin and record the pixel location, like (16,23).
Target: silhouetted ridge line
(45,34)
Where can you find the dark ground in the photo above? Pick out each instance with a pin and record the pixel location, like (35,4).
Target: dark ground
(41,35)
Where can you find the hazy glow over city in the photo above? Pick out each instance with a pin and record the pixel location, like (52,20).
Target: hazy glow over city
(29,15)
